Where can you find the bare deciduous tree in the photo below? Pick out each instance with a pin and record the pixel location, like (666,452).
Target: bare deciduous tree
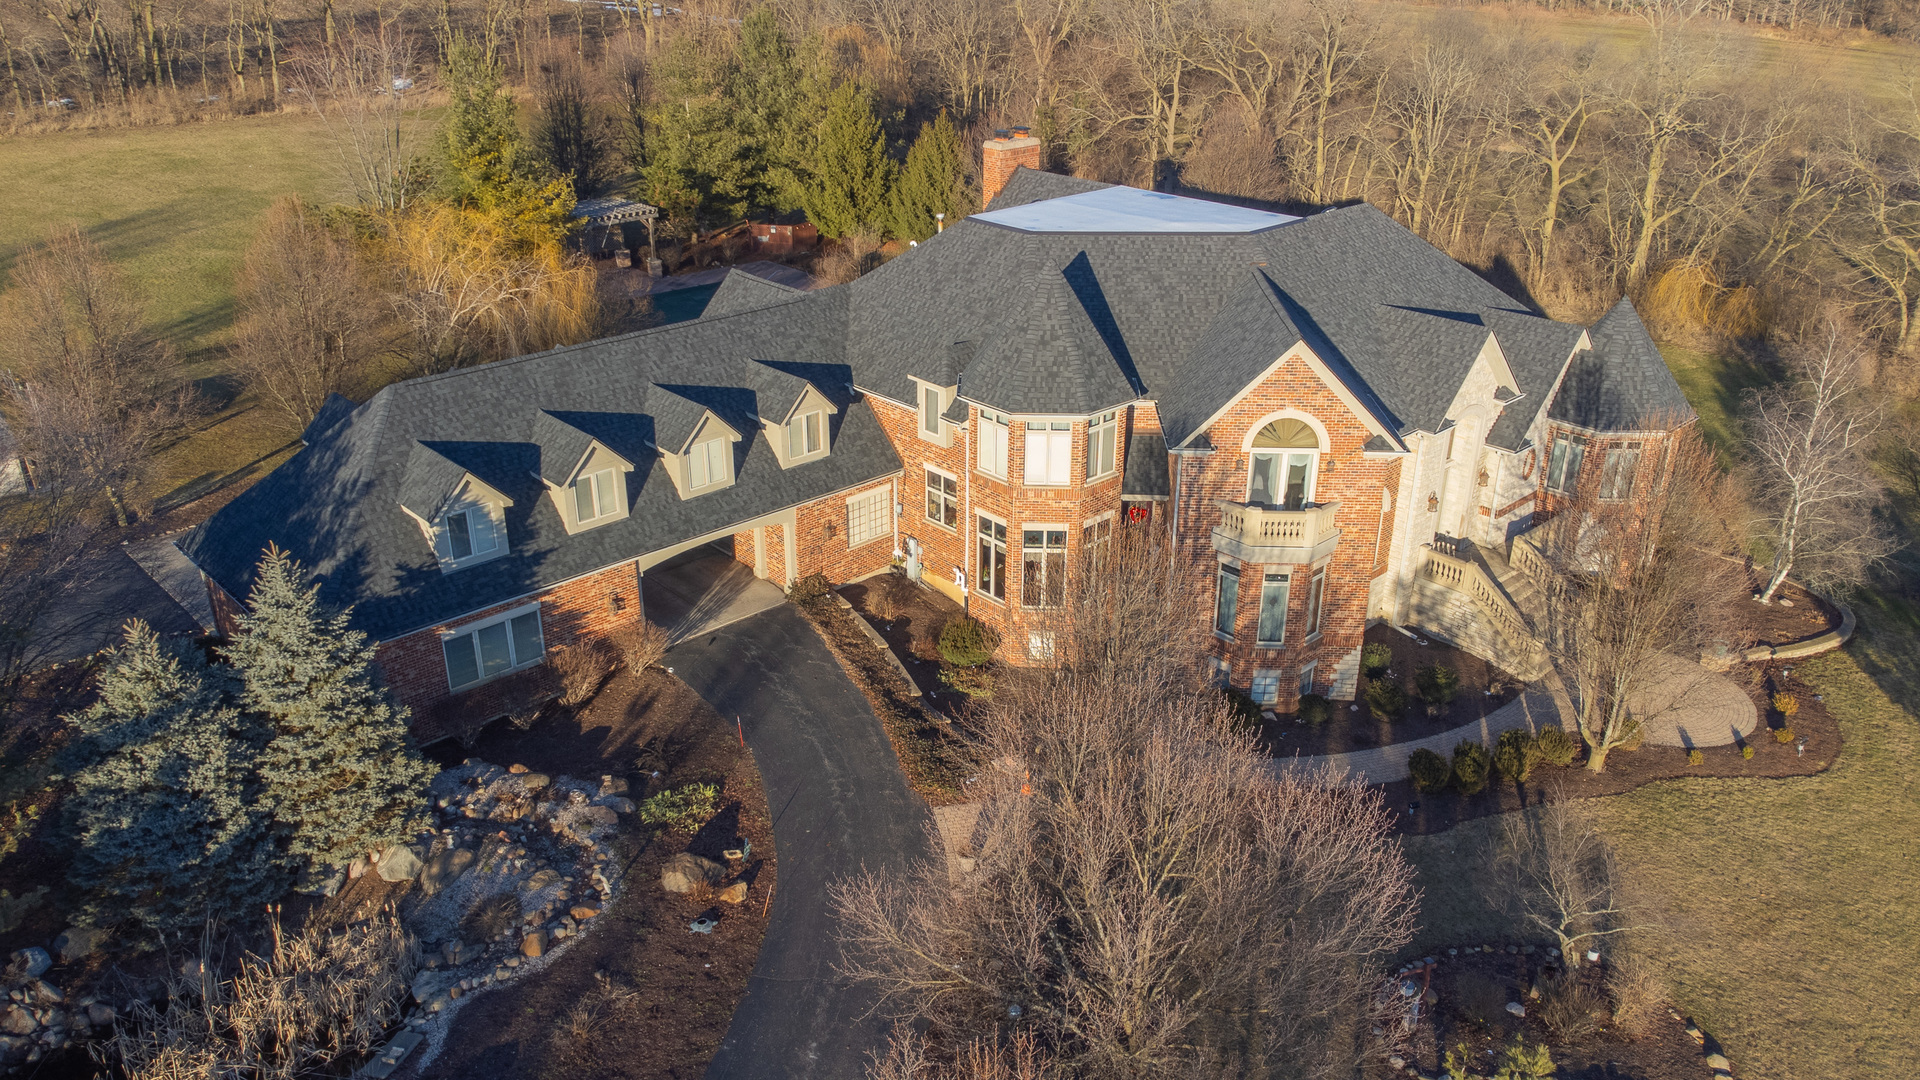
(363,91)
(91,387)
(1148,892)
(1635,577)
(1811,438)
(307,321)
(1560,876)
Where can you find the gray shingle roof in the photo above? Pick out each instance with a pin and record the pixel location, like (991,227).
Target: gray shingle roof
(1536,350)
(1050,357)
(1623,383)
(740,291)
(1032,185)
(1146,475)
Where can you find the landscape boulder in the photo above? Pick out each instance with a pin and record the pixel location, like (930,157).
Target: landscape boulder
(582,913)
(28,963)
(399,863)
(17,1020)
(1720,1062)
(735,893)
(685,869)
(431,984)
(534,944)
(78,942)
(441,869)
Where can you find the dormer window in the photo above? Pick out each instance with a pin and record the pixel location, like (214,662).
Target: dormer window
(930,411)
(806,434)
(471,535)
(595,496)
(932,402)
(707,464)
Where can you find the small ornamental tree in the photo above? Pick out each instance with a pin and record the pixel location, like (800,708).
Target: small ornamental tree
(165,815)
(1514,755)
(341,771)
(929,183)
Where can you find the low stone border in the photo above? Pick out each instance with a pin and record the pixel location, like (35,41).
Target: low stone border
(879,642)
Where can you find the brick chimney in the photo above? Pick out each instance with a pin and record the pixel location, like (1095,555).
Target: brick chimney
(1000,155)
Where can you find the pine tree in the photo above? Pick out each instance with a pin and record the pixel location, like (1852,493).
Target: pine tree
(165,811)
(703,157)
(930,183)
(850,172)
(481,133)
(341,772)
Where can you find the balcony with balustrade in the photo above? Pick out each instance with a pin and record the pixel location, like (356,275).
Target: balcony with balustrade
(1253,533)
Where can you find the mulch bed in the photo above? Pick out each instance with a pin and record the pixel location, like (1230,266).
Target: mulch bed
(639,995)
(909,618)
(1628,769)
(1483,688)
(1473,989)
(1794,615)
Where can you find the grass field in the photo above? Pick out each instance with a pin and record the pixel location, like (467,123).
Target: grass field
(176,207)
(1716,385)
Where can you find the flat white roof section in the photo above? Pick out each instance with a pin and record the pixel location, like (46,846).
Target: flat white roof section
(1132,210)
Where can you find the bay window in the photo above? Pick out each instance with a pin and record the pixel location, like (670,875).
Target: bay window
(506,644)
(1316,596)
(1563,465)
(1226,600)
(1616,472)
(993,444)
(1043,566)
(993,559)
(1049,452)
(1102,439)
(1273,609)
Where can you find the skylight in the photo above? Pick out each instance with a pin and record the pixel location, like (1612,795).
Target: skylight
(1131,210)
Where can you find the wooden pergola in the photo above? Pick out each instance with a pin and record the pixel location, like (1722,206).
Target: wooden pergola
(611,211)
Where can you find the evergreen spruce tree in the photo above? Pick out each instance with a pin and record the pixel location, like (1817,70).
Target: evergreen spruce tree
(850,172)
(930,183)
(165,810)
(481,133)
(341,772)
(704,159)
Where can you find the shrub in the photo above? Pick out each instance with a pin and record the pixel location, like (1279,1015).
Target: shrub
(641,645)
(682,809)
(1639,994)
(1386,700)
(1470,762)
(1514,755)
(811,588)
(1786,704)
(966,642)
(582,668)
(1633,736)
(1430,771)
(1746,751)
(974,681)
(1554,746)
(1695,757)
(1315,709)
(1437,684)
(1783,735)
(1245,711)
(1521,1062)
(1570,1008)
(1375,659)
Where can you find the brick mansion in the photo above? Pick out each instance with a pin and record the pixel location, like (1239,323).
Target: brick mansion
(1314,411)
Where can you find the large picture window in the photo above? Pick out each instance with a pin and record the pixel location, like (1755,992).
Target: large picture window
(1563,467)
(595,496)
(1049,452)
(493,649)
(866,518)
(1273,609)
(1102,440)
(993,558)
(943,499)
(1616,473)
(1226,600)
(993,444)
(1043,566)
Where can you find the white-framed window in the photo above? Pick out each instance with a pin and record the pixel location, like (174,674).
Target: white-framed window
(595,495)
(1103,436)
(1049,452)
(1274,590)
(930,411)
(1616,472)
(993,444)
(470,532)
(806,434)
(1307,674)
(1316,598)
(943,499)
(1283,458)
(708,464)
(1265,688)
(992,570)
(1226,599)
(1380,535)
(1039,644)
(1043,565)
(1096,540)
(507,643)
(1563,465)
(866,517)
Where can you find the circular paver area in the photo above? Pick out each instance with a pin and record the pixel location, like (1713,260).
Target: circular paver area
(1684,704)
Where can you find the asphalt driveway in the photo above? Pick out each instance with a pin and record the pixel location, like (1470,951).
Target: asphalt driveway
(839,803)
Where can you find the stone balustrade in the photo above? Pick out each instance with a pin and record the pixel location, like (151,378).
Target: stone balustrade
(1256,534)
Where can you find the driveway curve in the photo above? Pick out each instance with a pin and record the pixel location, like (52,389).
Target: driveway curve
(839,803)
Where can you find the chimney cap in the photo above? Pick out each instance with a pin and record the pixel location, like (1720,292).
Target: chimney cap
(1021,132)
(999,133)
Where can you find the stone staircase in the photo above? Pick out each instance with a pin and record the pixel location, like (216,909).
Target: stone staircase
(1478,601)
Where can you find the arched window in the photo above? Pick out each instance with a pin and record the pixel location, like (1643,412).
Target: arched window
(1281,472)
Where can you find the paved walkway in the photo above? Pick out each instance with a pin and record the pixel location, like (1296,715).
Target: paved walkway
(1534,709)
(839,804)
(1691,706)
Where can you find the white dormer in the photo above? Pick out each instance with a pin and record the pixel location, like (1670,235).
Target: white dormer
(804,435)
(470,529)
(705,463)
(931,400)
(594,493)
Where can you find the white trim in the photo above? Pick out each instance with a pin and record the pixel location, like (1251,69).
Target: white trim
(1288,413)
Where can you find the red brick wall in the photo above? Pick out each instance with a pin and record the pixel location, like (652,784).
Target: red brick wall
(777,554)
(820,538)
(1345,476)
(743,548)
(941,549)
(998,159)
(415,667)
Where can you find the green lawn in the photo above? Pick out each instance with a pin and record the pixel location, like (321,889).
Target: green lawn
(175,206)
(1716,385)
